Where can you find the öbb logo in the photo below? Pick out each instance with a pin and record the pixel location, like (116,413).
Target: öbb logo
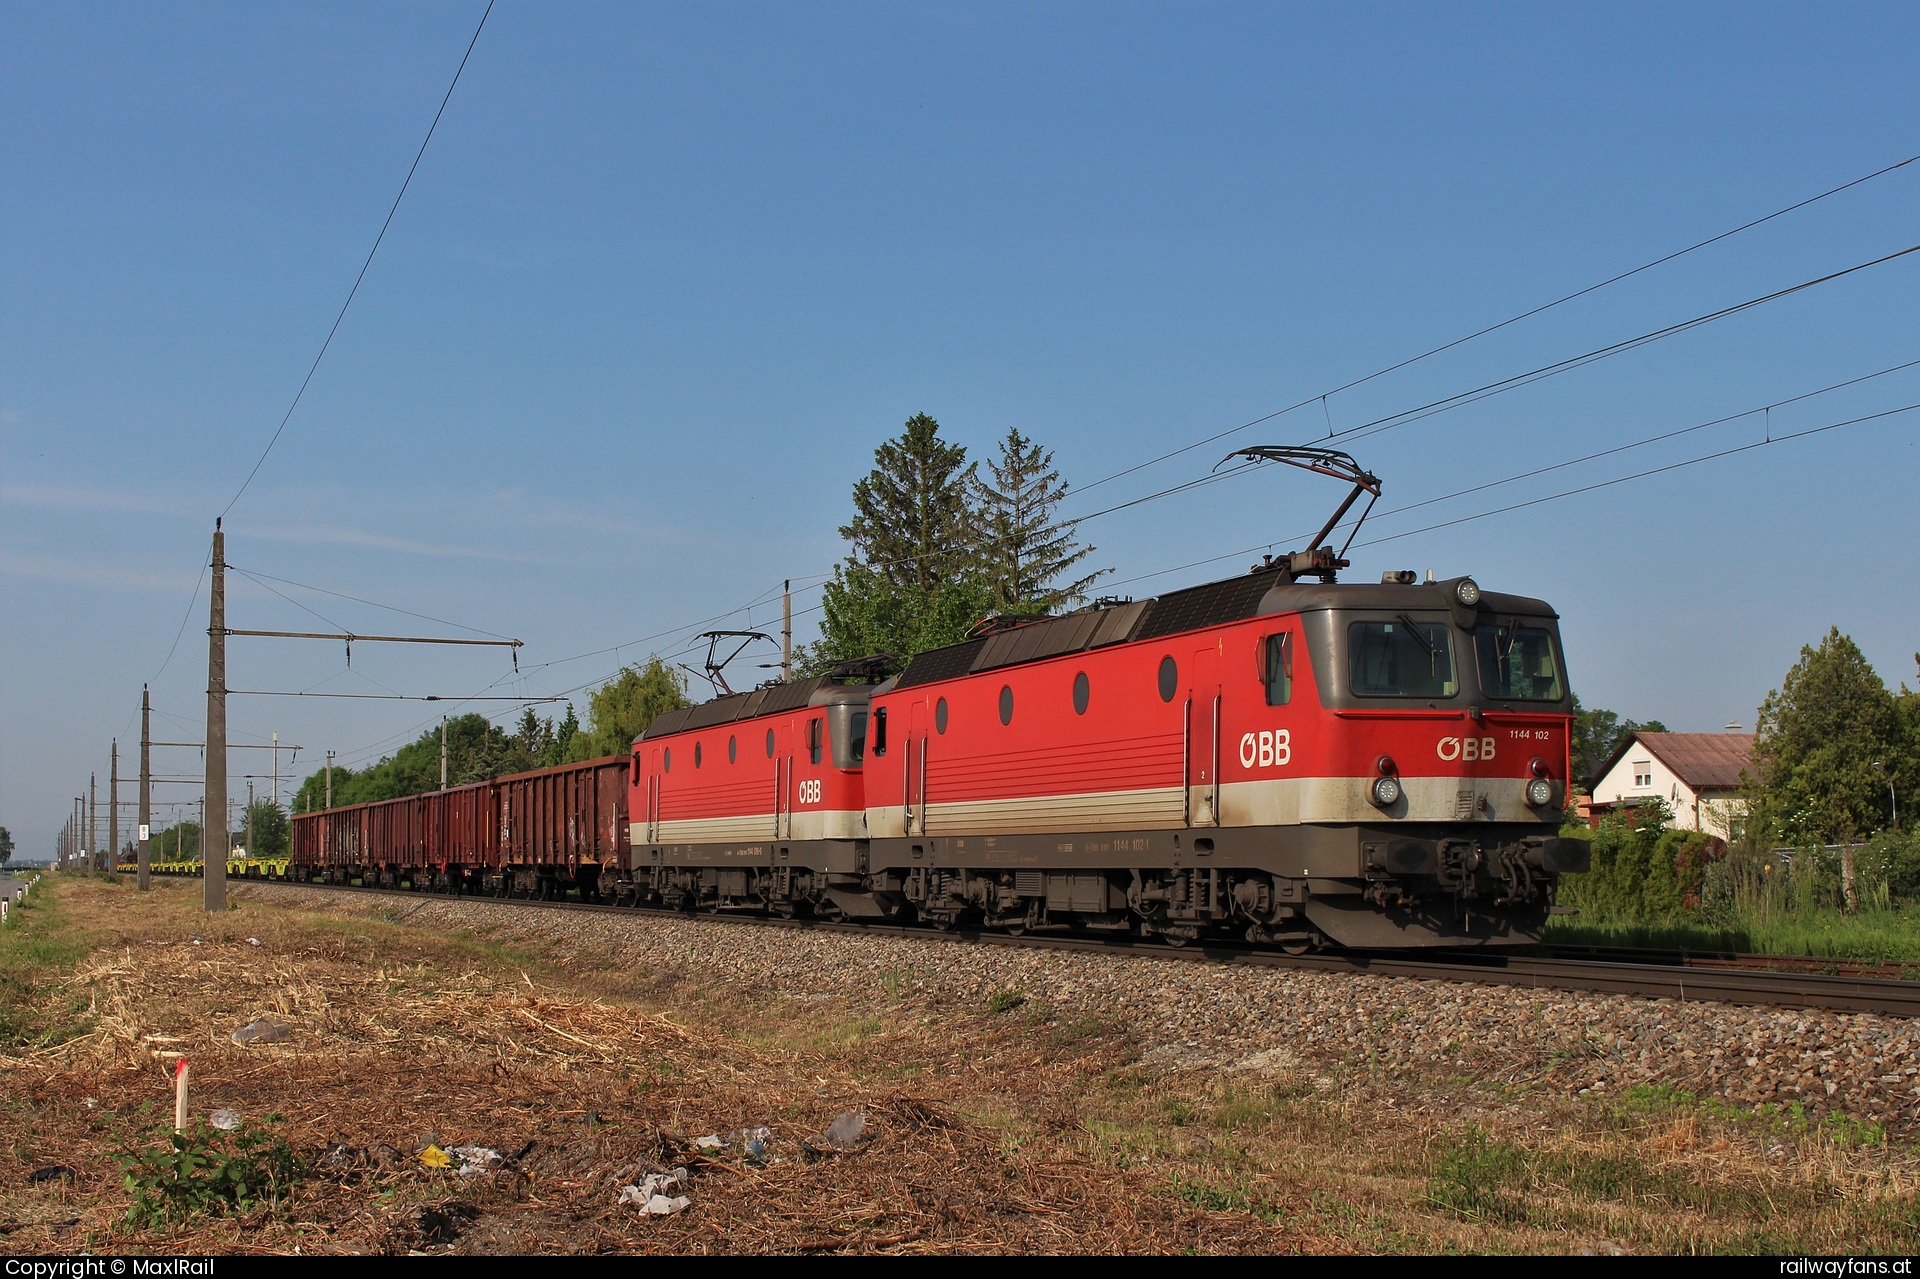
(1467,749)
(1266,749)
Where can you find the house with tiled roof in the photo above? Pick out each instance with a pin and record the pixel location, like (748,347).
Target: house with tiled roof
(1697,774)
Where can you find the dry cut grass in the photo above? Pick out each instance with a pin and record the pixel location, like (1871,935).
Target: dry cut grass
(1009,1127)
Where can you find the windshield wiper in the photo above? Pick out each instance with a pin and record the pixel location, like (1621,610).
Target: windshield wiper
(1420,635)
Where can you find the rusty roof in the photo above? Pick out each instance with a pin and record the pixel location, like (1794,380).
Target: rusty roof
(1704,761)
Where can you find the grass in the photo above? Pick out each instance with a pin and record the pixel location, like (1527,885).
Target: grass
(39,942)
(1887,935)
(1006,1124)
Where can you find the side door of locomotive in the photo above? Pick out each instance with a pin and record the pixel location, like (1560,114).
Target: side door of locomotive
(913,764)
(783,779)
(1204,702)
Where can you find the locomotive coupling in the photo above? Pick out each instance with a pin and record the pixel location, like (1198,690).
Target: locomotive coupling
(1560,856)
(1408,856)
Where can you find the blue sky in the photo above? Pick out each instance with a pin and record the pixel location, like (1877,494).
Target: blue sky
(668,273)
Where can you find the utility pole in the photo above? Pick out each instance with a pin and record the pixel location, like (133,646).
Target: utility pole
(443,752)
(329,779)
(113,811)
(143,859)
(213,857)
(93,818)
(249,821)
(786,631)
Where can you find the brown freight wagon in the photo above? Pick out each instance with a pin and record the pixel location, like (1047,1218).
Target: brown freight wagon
(565,826)
(537,833)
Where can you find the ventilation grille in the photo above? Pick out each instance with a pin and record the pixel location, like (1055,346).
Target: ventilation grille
(941,663)
(1209,605)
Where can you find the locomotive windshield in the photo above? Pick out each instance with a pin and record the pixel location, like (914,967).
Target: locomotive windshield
(1401,658)
(1517,662)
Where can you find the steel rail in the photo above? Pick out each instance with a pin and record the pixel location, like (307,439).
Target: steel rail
(1647,980)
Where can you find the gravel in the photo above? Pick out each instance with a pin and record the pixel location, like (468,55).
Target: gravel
(1192,1015)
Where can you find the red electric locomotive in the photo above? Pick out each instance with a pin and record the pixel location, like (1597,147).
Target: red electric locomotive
(1277,756)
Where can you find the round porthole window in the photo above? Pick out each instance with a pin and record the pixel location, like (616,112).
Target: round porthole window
(733,749)
(666,760)
(1006,703)
(769,743)
(696,754)
(1081,691)
(1169,679)
(940,716)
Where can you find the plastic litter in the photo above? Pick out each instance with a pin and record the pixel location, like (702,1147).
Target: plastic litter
(753,1141)
(476,1161)
(253,941)
(651,1194)
(434,1157)
(264,1031)
(225,1120)
(842,1134)
(52,1172)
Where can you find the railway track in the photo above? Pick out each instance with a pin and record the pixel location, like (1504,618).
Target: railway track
(1717,978)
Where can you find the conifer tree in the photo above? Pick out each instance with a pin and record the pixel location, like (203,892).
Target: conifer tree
(911,525)
(1024,551)
(911,582)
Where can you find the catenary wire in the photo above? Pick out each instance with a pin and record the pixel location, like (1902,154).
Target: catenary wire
(408,181)
(1528,314)
(392,608)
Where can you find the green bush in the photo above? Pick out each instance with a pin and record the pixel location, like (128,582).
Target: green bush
(204,1170)
(1641,872)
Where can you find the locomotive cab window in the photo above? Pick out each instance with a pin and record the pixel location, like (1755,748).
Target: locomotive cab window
(849,736)
(815,731)
(1276,668)
(1517,661)
(1401,658)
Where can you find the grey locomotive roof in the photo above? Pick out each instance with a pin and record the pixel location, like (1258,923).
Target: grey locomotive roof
(769,700)
(1264,590)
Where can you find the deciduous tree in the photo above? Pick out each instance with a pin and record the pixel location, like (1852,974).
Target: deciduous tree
(620,709)
(1816,742)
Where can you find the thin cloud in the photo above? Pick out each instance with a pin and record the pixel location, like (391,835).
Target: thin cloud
(340,535)
(67,498)
(95,573)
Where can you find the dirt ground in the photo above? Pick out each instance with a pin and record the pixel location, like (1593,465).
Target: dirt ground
(1011,1126)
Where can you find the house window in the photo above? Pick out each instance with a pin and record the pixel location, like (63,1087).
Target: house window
(1643,772)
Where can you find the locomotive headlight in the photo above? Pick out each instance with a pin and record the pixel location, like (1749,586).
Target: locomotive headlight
(1539,792)
(1386,790)
(1467,591)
